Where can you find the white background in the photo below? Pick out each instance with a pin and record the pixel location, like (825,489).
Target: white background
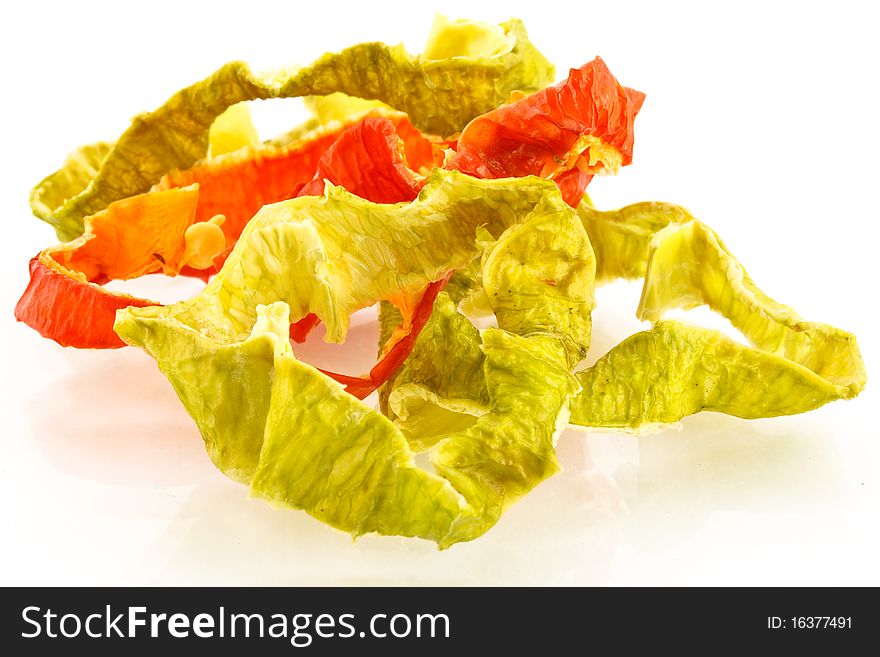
(761,118)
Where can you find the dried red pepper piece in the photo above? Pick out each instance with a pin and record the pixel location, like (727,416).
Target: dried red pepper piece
(372,160)
(399,346)
(238,184)
(566,132)
(139,235)
(70,310)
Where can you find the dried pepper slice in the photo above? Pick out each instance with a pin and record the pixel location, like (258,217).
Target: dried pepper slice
(64,299)
(672,370)
(297,438)
(374,161)
(148,233)
(566,132)
(238,184)
(397,349)
(56,299)
(439,95)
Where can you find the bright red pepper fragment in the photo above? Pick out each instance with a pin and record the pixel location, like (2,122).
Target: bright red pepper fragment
(566,132)
(142,234)
(69,310)
(371,160)
(399,347)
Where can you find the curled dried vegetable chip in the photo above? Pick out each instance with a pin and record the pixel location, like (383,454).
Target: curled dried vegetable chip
(439,95)
(566,132)
(673,370)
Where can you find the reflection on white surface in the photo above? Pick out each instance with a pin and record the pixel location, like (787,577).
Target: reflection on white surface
(113,421)
(561,532)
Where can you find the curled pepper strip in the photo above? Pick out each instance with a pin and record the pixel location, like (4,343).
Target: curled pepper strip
(56,299)
(439,95)
(566,132)
(147,233)
(296,437)
(374,161)
(64,299)
(398,348)
(674,369)
(238,184)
